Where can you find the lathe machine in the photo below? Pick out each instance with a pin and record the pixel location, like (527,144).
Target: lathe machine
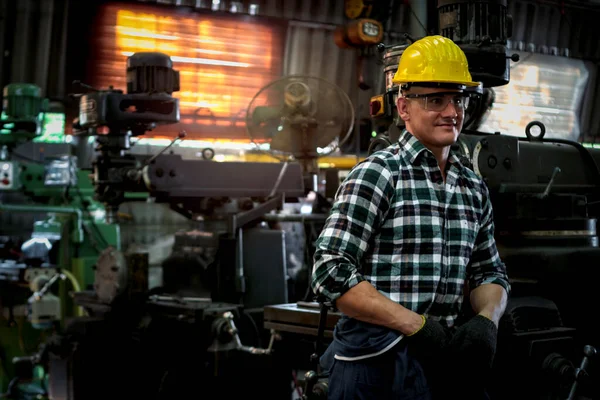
(139,339)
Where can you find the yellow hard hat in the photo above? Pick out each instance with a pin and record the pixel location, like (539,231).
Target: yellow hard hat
(435,60)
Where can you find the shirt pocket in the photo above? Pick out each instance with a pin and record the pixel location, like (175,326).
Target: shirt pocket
(464,229)
(469,230)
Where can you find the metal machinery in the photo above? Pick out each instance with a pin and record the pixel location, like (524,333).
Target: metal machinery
(65,240)
(209,310)
(209,307)
(545,194)
(54,186)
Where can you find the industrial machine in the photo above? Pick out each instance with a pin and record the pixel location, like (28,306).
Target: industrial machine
(210,303)
(544,193)
(64,237)
(223,303)
(156,332)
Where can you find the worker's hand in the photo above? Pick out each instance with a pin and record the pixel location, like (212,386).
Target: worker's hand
(470,355)
(475,342)
(431,336)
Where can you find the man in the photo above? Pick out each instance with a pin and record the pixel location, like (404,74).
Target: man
(410,231)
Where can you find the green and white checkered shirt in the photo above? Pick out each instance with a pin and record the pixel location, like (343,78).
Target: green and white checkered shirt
(416,239)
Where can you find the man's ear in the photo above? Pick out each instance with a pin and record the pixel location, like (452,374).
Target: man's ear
(402,107)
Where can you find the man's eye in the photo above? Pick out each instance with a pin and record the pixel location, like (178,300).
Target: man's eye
(436,100)
(459,100)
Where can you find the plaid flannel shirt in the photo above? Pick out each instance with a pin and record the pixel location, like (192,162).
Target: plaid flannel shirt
(414,237)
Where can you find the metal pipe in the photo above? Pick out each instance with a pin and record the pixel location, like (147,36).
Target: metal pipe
(418,19)
(312,25)
(174,299)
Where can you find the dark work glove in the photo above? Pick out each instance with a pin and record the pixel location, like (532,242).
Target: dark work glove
(432,337)
(428,347)
(475,341)
(471,353)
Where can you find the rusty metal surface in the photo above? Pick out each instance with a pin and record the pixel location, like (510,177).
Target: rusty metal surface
(301,317)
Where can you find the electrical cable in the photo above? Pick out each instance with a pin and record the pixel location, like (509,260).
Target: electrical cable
(71,278)
(309,252)
(296,385)
(10,390)
(76,287)
(256,330)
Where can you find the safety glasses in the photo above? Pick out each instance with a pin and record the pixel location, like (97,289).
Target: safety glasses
(439,101)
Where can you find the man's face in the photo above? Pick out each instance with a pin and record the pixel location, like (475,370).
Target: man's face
(434,116)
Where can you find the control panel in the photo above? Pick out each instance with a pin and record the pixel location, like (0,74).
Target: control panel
(9,175)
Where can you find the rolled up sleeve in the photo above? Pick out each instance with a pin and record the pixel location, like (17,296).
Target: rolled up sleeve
(485,264)
(360,205)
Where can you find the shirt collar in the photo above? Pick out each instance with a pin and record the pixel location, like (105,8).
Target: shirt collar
(412,148)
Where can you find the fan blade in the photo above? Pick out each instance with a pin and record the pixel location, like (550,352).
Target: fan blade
(331,129)
(299,114)
(328,134)
(295,141)
(283,141)
(263,114)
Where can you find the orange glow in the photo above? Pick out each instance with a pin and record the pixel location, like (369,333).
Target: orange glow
(222,62)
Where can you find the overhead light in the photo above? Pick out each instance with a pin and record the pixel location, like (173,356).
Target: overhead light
(236,7)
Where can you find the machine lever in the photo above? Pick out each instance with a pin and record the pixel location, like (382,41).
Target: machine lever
(315,389)
(226,327)
(581,372)
(40,293)
(135,174)
(320,333)
(180,136)
(86,86)
(547,190)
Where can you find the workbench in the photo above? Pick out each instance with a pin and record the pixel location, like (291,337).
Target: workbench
(301,317)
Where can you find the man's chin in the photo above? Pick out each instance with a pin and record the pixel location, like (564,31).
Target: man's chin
(447,136)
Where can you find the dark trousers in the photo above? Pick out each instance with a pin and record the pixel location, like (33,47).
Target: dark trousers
(394,375)
(398,375)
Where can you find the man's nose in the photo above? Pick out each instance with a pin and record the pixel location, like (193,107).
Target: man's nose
(450,110)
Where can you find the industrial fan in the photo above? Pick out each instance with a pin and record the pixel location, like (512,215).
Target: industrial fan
(301,118)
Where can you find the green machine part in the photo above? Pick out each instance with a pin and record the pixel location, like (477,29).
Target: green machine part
(18,338)
(32,182)
(83,236)
(22,101)
(72,213)
(22,114)
(74,217)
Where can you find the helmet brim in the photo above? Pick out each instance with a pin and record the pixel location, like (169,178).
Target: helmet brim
(439,83)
